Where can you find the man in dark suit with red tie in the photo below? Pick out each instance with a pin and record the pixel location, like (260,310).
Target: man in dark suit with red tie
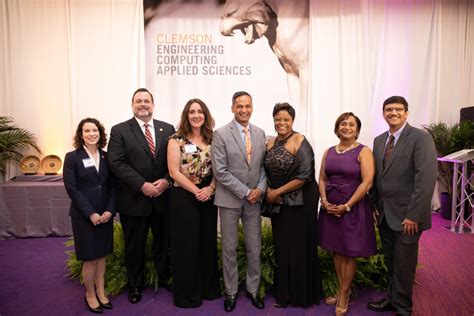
(137,155)
(405,176)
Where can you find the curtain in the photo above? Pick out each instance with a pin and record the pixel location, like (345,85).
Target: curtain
(63,60)
(363,52)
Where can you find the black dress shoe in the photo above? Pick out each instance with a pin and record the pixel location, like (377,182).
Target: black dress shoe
(256,301)
(96,310)
(134,295)
(381,306)
(229,302)
(107,305)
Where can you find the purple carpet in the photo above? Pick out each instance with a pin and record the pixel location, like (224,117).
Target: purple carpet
(33,282)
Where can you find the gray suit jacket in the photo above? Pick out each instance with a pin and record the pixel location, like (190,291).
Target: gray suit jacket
(404,189)
(234,174)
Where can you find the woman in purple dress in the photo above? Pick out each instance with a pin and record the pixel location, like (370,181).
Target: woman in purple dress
(346,225)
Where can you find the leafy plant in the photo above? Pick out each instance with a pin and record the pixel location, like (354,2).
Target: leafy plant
(449,139)
(371,272)
(462,136)
(14,141)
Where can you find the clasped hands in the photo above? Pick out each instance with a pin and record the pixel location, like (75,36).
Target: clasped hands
(204,194)
(97,219)
(154,189)
(254,195)
(333,209)
(273,197)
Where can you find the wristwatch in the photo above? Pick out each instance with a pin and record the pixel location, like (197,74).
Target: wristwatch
(348,208)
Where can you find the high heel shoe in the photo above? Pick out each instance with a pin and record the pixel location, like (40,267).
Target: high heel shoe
(331,300)
(344,301)
(96,310)
(107,305)
(279,305)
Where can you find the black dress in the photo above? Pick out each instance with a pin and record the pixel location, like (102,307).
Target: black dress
(297,279)
(91,191)
(193,233)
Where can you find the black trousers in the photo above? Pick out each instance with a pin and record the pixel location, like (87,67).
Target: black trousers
(193,249)
(401,258)
(135,232)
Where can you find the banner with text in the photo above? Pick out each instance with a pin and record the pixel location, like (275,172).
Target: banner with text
(191,53)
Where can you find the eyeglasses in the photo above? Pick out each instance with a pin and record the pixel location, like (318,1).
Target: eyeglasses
(388,110)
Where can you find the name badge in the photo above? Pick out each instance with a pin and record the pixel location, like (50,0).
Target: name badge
(88,162)
(190,148)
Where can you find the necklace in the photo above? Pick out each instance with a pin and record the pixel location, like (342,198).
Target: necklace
(341,152)
(279,139)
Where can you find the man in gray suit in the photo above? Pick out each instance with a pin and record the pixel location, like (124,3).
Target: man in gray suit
(238,149)
(406,168)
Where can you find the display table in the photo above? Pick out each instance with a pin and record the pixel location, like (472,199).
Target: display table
(32,208)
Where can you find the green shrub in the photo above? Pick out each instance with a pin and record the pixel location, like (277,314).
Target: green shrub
(371,272)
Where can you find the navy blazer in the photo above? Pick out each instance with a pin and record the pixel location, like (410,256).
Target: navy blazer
(90,191)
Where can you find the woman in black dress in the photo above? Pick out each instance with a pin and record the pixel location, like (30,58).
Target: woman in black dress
(89,184)
(292,196)
(193,213)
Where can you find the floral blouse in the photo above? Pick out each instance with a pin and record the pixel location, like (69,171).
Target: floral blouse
(195,162)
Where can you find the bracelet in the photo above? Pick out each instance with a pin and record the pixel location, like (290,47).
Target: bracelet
(324,199)
(213,189)
(348,208)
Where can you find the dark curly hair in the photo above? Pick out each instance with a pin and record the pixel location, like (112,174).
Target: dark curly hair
(284,107)
(79,142)
(184,127)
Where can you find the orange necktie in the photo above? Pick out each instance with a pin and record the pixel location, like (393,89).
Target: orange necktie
(248,143)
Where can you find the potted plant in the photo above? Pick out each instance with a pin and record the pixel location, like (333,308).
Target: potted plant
(14,141)
(449,139)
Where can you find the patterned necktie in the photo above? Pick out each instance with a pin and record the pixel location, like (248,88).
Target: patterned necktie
(248,143)
(388,150)
(149,139)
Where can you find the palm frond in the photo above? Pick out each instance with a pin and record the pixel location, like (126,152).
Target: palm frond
(14,141)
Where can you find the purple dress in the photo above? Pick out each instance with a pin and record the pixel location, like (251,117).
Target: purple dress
(353,233)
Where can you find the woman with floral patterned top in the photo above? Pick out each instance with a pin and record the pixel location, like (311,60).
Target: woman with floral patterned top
(193,214)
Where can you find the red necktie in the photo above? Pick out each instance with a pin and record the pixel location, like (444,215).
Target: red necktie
(149,139)
(388,150)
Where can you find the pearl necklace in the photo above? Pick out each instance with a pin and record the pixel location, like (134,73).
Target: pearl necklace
(341,152)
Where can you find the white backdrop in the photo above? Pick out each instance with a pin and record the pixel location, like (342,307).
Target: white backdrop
(63,60)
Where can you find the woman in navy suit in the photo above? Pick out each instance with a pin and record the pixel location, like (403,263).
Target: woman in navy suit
(89,184)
